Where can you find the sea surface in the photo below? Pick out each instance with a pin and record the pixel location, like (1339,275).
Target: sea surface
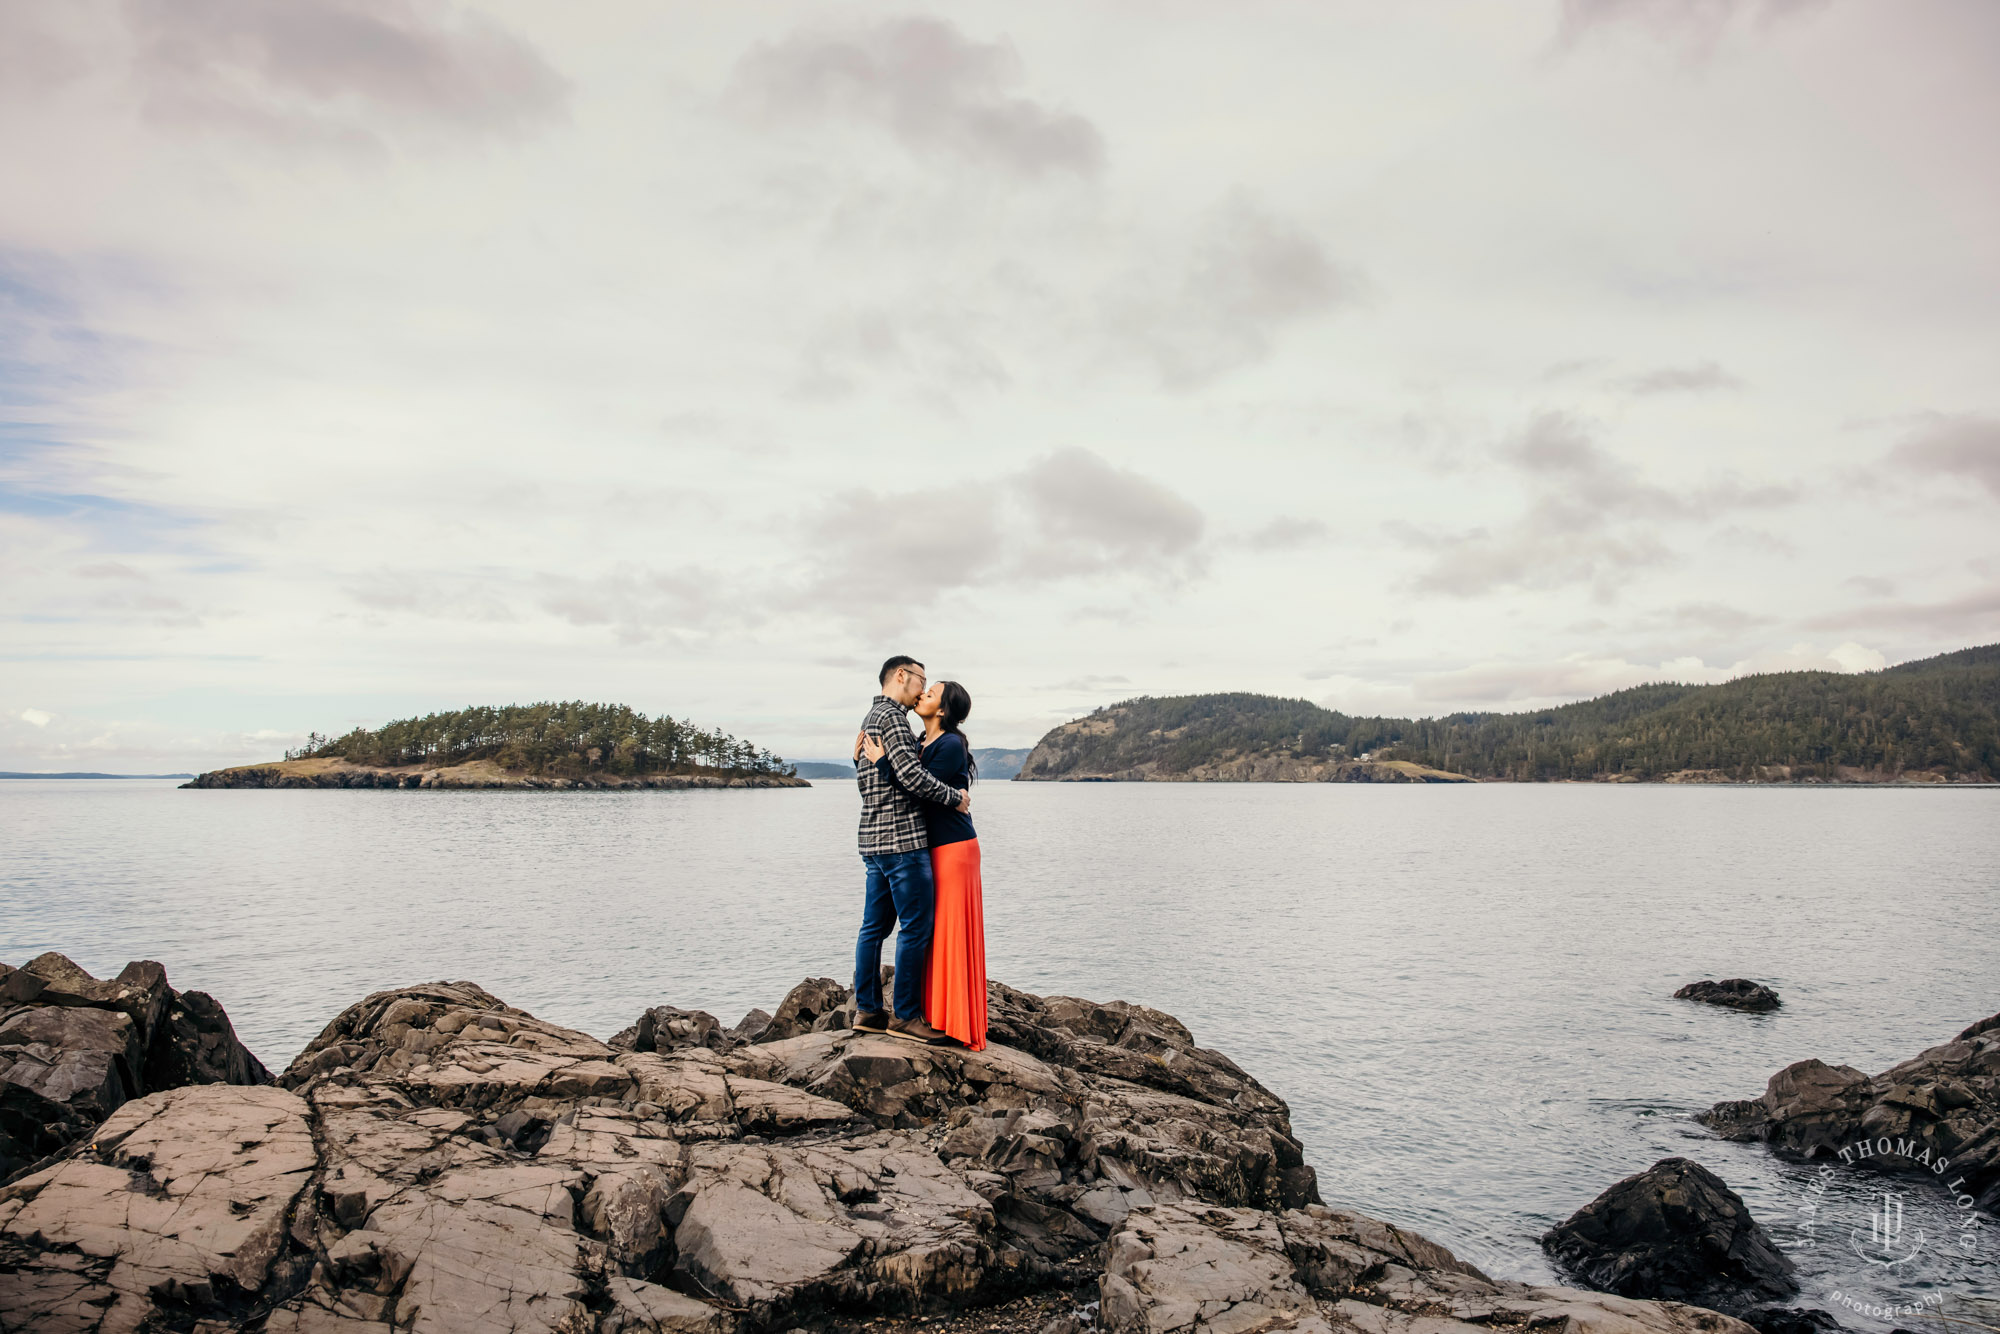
(1463,992)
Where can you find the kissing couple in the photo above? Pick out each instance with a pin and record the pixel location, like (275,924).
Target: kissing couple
(922,858)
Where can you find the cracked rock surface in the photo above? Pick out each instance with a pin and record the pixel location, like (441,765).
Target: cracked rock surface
(437,1160)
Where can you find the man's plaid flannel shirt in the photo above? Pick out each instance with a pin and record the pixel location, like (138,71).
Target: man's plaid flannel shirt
(892,812)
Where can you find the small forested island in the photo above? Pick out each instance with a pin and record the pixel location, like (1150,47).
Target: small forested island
(1936,720)
(529,746)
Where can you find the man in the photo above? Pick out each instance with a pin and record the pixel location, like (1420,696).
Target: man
(896,851)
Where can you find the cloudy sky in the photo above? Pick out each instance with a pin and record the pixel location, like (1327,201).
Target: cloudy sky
(366,357)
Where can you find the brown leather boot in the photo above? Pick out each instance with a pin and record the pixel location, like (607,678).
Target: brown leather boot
(919,1030)
(872,1021)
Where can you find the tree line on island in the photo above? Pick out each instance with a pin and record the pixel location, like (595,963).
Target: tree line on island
(1938,717)
(561,739)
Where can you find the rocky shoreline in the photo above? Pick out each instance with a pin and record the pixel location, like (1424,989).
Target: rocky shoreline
(439,1160)
(479,775)
(1938,1110)
(1250,769)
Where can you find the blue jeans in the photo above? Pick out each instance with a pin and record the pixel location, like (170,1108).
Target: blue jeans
(899,892)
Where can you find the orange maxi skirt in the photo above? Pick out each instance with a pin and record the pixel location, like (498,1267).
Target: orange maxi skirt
(955,987)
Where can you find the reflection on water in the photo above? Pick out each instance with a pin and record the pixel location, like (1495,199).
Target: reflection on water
(1463,992)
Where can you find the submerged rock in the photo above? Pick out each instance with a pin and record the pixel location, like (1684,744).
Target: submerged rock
(1735,993)
(437,1160)
(1942,1106)
(1791,1320)
(75,1048)
(1674,1231)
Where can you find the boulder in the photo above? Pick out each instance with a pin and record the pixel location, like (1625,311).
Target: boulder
(1674,1231)
(750,1028)
(74,1048)
(1940,1106)
(668,1028)
(1735,993)
(196,1044)
(813,1006)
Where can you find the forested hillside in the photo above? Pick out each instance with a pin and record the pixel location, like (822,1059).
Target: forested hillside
(1935,719)
(549,738)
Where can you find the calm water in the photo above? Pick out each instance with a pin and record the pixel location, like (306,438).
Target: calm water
(1463,992)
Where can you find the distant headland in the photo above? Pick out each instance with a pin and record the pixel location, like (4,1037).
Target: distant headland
(532,747)
(1933,721)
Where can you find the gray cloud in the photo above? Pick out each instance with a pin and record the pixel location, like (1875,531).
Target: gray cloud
(1089,517)
(329,68)
(1585,522)
(1696,24)
(642,605)
(1874,586)
(1975,615)
(919,543)
(1682,380)
(1714,616)
(1285,533)
(1501,683)
(1531,556)
(1966,447)
(1569,369)
(939,93)
(1251,274)
(639,604)
(42,47)
(935,348)
(1756,539)
(1070,515)
(433,596)
(1087,685)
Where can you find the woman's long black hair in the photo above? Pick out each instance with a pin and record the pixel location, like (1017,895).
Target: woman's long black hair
(954,703)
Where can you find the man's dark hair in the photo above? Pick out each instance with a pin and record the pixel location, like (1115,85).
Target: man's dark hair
(900,660)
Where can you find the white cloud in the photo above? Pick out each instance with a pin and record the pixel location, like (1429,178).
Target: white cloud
(36,718)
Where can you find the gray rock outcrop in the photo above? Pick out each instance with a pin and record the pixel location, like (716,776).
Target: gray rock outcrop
(1674,1231)
(1733,993)
(1194,1269)
(1940,1106)
(75,1048)
(437,1160)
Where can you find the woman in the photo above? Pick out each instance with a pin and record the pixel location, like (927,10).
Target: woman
(955,986)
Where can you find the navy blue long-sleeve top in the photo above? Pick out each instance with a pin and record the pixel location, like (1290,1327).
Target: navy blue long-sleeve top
(948,762)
